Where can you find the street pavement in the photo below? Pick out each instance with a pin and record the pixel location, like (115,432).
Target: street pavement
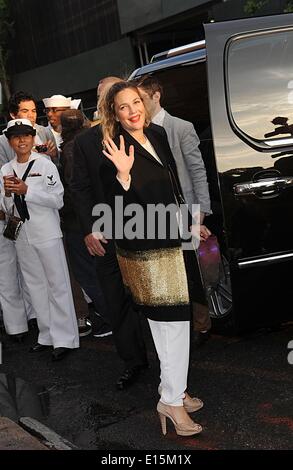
(246,384)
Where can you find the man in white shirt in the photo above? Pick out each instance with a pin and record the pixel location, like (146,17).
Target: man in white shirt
(22,105)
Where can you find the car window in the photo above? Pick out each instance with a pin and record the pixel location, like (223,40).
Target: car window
(259,87)
(186,94)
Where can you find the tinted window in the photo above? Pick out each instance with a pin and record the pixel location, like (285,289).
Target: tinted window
(260,85)
(186,95)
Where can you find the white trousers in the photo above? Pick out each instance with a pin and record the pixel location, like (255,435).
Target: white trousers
(13,308)
(45,272)
(30,313)
(172,345)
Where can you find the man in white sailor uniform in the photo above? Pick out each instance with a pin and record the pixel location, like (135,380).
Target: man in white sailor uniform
(31,184)
(54,107)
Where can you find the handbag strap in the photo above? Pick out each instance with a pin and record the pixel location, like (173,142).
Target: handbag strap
(175,186)
(19,201)
(181,200)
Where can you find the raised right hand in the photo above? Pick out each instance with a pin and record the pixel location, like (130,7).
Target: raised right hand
(121,160)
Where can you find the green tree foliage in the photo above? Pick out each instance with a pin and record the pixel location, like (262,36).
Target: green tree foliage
(289,7)
(6,32)
(253,7)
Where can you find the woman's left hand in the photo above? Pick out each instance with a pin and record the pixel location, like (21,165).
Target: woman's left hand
(204,233)
(118,156)
(18,187)
(201,232)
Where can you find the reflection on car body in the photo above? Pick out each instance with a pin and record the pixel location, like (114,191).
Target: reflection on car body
(237,91)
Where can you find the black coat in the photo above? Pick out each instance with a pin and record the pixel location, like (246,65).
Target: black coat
(86,183)
(69,219)
(94,176)
(151,184)
(160,288)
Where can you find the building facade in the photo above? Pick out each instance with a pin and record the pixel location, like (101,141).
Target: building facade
(66,47)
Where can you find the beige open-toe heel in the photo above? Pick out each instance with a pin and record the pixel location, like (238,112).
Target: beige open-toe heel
(192,404)
(182,429)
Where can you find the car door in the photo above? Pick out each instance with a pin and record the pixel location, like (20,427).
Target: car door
(250,82)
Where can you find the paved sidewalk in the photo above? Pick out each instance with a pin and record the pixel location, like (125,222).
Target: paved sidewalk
(245,382)
(13,437)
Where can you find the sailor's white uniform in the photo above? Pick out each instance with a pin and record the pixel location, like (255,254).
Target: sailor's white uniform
(14,313)
(41,254)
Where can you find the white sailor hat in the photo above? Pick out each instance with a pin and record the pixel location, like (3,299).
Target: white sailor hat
(56,101)
(19,127)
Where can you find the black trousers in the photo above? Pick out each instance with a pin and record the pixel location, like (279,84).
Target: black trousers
(124,321)
(84,269)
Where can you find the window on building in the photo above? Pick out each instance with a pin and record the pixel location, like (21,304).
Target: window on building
(49,31)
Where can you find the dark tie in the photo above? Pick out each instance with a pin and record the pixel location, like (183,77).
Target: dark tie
(21,207)
(19,200)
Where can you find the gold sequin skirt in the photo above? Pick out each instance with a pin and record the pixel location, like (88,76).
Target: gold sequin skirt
(156,278)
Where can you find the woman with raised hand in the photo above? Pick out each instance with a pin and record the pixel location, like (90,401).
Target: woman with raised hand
(139,166)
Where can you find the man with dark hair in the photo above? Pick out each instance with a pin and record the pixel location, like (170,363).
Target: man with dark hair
(16,100)
(22,105)
(54,107)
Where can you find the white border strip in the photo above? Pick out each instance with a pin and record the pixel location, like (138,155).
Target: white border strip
(270,260)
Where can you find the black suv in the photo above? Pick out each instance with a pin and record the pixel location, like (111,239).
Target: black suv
(237,89)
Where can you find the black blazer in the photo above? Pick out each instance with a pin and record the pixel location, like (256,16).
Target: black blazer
(86,184)
(94,176)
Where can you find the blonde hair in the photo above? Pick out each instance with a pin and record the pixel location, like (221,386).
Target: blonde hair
(109,124)
(107,83)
